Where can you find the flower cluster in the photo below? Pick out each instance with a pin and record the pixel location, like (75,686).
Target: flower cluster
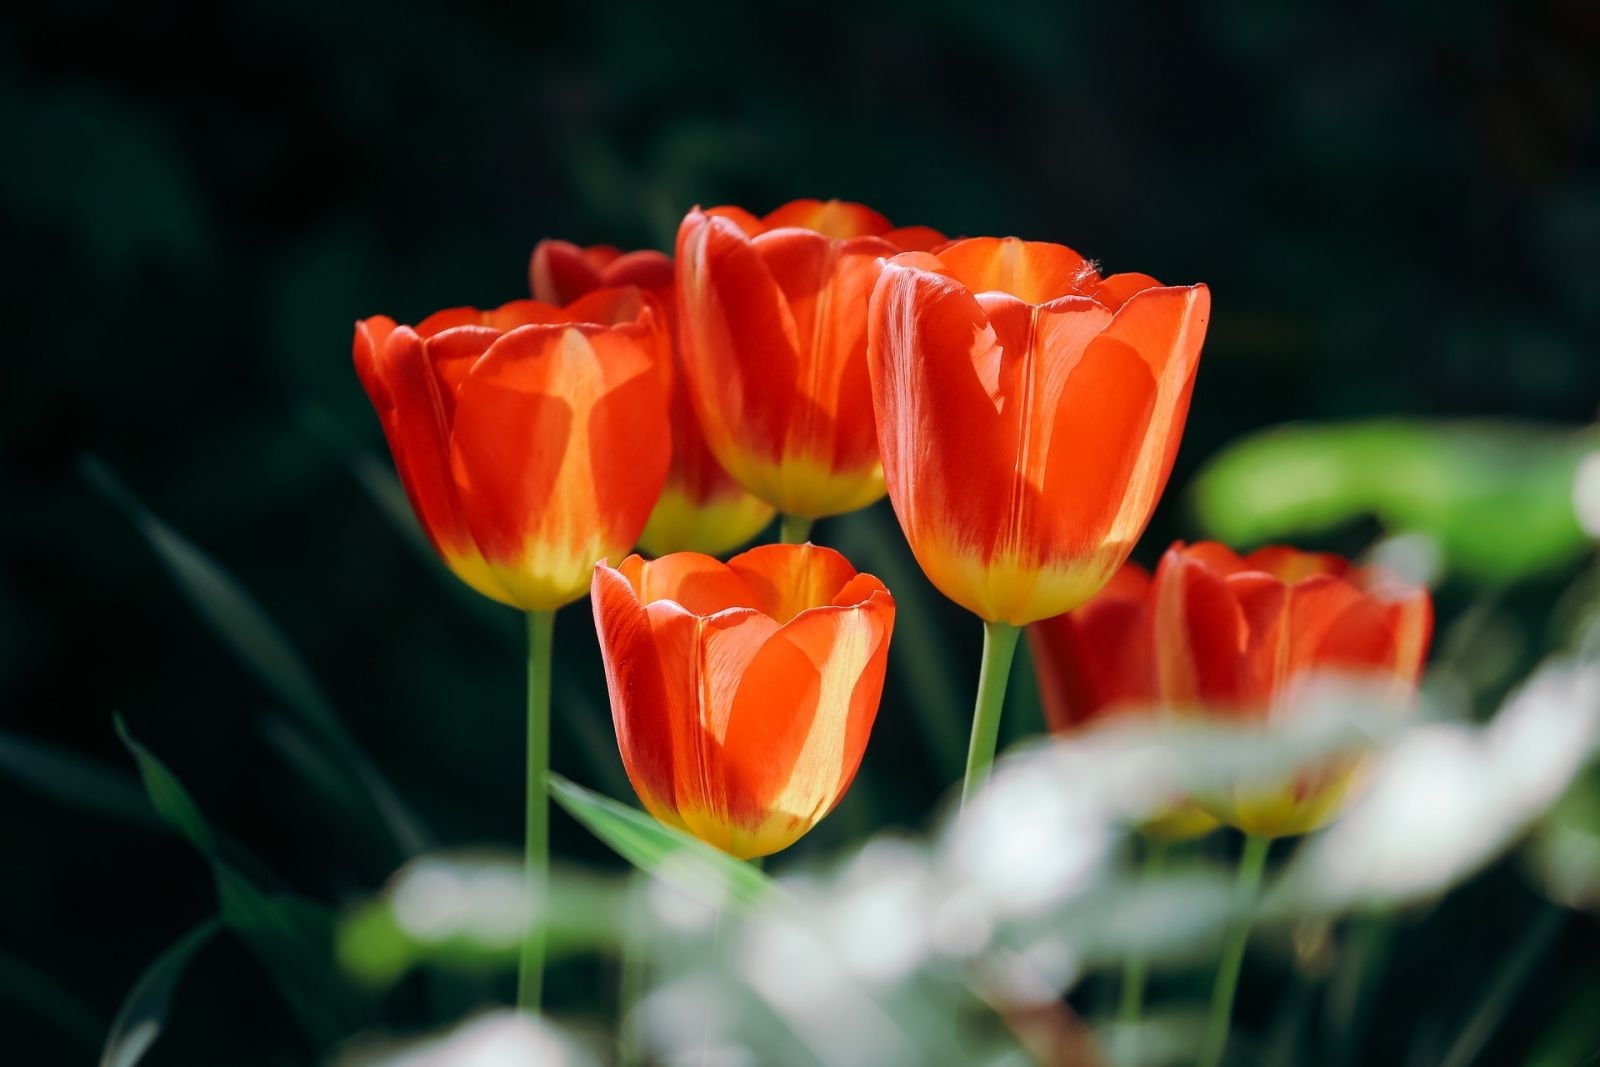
(1020,409)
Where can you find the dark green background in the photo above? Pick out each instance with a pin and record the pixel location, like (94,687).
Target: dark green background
(1397,208)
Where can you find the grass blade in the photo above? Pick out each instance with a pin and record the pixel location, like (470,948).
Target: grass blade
(143,1014)
(299,959)
(23,983)
(74,780)
(246,629)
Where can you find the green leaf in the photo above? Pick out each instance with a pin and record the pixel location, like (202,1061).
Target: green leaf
(1496,497)
(24,984)
(687,862)
(171,800)
(299,960)
(74,780)
(246,629)
(144,1010)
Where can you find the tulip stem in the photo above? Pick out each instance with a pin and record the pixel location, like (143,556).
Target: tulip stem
(794,529)
(999,645)
(536,844)
(1135,967)
(1252,862)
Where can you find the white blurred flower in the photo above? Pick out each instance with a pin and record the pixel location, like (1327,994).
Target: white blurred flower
(1446,799)
(501,1039)
(1586,494)
(437,898)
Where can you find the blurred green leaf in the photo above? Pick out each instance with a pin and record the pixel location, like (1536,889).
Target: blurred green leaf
(258,643)
(687,862)
(1495,497)
(75,780)
(144,1010)
(296,953)
(23,983)
(468,913)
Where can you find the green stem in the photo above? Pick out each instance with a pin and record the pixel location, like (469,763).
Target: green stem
(1252,862)
(999,645)
(633,979)
(1135,966)
(794,529)
(536,844)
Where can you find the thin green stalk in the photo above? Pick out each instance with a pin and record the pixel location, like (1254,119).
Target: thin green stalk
(536,843)
(1135,967)
(999,645)
(633,976)
(794,529)
(1252,863)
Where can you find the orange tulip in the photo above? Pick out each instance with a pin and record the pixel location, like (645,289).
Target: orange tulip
(773,322)
(1232,637)
(1028,412)
(532,440)
(701,508)
(742,693)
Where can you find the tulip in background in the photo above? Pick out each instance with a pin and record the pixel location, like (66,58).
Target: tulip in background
(701,508)
(1028,412)
(773,326)
(532,440)
(743,693)
(1233,637)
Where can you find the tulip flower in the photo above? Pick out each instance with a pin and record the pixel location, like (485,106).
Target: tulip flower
(1235,637)
(1097,662)
(532,440)
(773,325)
(742,693)
(701,508)
(1028,413)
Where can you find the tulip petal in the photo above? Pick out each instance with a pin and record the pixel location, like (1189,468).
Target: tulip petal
(800,721)
(1033,271)
(700,584)
(1092,433)
(1166,327)
(559,271)
(836,219)
(1200,634)
(412,408)
(559,449)
(649,713)
(786,580)
(728,305)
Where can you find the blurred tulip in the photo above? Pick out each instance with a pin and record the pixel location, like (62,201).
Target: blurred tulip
(773,324)
(532,440)
(742,693)
(1234,638)
(701,508)
(1028,411)
(1097,661)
